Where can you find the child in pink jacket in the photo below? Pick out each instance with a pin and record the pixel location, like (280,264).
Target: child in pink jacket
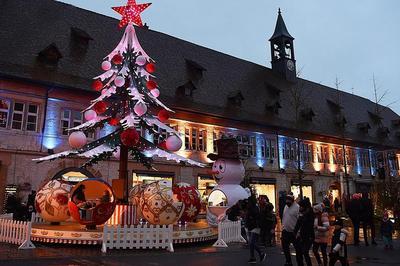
(321,229)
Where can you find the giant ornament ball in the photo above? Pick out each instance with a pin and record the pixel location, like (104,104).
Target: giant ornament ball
(150,67)
(151,84)
(163,115)
(100,107)
(140,108)
(155,92)
(173,143)
(77,139)
(190,197)
(119,81)
(90,115)
(158,205)
(141,60)
(106,65)
(97,85)
(51,201)
(117,59)
(130,137)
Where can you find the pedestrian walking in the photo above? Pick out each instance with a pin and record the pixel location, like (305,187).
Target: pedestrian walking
(290,216)
(367,218)
(282,203)
(353,209)
(339,246)
(336,204)
(387,231)
(321,230)
(304,231)
(253,227)
(267,220)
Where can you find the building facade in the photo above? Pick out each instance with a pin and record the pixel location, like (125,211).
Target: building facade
(290,131)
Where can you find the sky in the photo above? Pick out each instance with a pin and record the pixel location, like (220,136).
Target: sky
(352,40)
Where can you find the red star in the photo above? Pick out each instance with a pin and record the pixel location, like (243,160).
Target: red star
(131,13)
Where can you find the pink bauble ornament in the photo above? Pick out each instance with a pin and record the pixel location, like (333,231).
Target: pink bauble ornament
(140,108)
(106,65)
(77,139)
(141,60)
(90,115)
(173,143)
(119,81)
(117,153)
(155,92)
(190,197)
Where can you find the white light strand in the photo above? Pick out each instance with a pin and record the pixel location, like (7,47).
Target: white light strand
(96,151)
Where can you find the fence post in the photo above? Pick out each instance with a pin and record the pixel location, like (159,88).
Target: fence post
(105,239)
(170,247)
(27,229)
(220,243)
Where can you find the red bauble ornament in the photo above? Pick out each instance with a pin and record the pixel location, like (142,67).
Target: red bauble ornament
(117,59)
(97,85)
(150,67)
(130,137)
(163,115)
(113,121)
(151,84)
(131,13)
(163,145)
(100,107)
(190,197)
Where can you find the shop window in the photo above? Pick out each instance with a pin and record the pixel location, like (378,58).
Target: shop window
(18,115)
(307,191)
(267,190)
(4,112)
(32,117)
(306,153)
(268,151)
(24,116)
(246,145)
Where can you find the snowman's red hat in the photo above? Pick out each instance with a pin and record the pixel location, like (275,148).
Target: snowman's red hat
(227,148)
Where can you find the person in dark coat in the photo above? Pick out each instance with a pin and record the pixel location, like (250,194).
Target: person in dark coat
(339,247)
(304,231)
(282,203)
(354,211)
(367,218)
(252,222)
(267,220)
(387,231)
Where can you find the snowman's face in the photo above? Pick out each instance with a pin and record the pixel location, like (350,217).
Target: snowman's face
(228,171)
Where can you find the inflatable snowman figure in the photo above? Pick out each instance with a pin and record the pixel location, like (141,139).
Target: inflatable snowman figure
(228,172)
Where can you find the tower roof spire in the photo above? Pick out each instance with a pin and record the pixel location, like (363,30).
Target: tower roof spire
(280,28)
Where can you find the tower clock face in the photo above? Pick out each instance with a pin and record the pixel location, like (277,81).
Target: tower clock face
(290,65)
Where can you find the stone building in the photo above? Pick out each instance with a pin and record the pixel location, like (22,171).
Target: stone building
(283,123)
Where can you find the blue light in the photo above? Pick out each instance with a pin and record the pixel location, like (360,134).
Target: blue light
(50,136)
(259,158)
(371,155)
(281,142)
(358,158)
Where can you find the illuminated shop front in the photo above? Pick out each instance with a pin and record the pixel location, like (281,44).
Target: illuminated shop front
(149,177)
(73,175)
(265,187)
(307,187)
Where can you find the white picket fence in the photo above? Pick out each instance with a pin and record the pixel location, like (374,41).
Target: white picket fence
(123,215)
(37,219)
(7,216)
(16,232)
(137,237)
(229,232)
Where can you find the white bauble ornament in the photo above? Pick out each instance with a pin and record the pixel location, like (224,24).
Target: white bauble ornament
(155,92)
(173,143)
(90,115)
(106,65)
(77,139)
(117,153)
(140,109)
(119,81)
(228,171)
(141,60)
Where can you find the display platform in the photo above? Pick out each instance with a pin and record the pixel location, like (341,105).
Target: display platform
(74,233)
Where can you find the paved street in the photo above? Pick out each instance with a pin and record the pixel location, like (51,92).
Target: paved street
(193,255)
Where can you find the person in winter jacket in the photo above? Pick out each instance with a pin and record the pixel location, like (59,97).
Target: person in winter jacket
(353,209)
(367,218)
(339,247)
(252,223)
(304,231)
(267,220)
(321,231)
(290,216)
(387,231)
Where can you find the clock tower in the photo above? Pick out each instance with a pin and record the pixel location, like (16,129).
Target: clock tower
(282,51)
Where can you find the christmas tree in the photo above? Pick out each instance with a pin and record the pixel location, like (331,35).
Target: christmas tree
(128,103)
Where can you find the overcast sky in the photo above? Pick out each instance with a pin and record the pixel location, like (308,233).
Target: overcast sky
(350,39)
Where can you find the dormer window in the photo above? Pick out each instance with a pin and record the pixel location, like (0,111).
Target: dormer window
(377,119)
(340,120)
(50,54)
(272,90)
(383,131)
(79,42)
(396,123)
(363,127)
(307,114)
(186,90)
(273,108)
(334,106)
(195,70)
(235,99)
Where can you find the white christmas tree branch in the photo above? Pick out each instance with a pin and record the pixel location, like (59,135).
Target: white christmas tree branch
(131,120)
(171,156)
(89,123)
